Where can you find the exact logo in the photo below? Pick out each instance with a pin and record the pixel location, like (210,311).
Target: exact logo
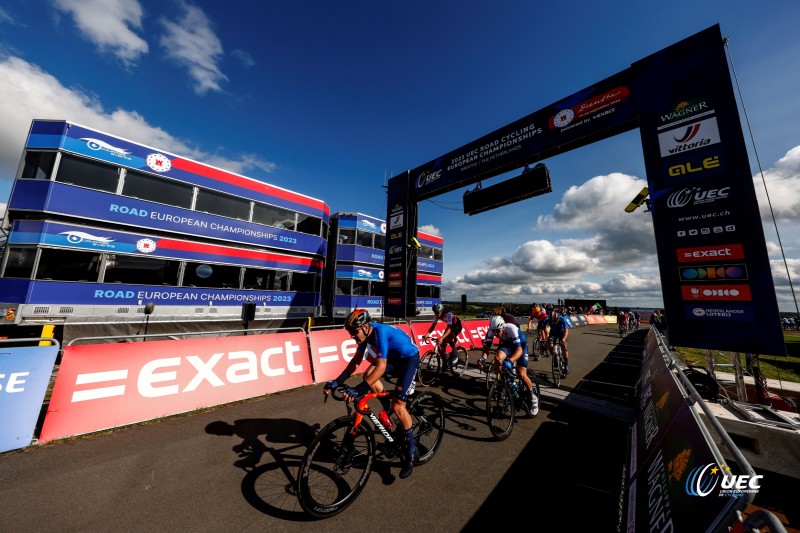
(704,253)
(702,481)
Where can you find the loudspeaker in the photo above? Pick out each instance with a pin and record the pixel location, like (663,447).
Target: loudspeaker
(248,311)
(463,303)
(532,182)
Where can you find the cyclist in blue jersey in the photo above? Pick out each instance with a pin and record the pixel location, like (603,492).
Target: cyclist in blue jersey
(391,352)
(559,329)
(512,351)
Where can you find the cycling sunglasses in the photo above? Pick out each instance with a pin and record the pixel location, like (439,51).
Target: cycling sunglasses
(351,330)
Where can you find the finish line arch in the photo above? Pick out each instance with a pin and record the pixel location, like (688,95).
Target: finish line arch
(715,274)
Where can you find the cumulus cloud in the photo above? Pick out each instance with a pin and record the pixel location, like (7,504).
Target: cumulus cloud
(110,24)
(430,229)
(192,44)
(29,92)
(782,188)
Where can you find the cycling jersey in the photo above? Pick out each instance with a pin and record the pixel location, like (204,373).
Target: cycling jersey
(387,342)
(558,327)
(511,337)
(451,320)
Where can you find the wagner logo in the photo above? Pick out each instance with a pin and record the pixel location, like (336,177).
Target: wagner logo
(690,137)
(685,110)
(713,273)
(702,480)
(717,292)
(696,196)
(704,253)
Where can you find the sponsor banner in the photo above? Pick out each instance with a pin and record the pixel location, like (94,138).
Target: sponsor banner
(103,240)
(98,145)
(477,330)
(360,254)
(597,111)
(94,391)
(24,376)
(358,302)
(659,498)
(713,273)
(84,203)
(362,223)
(76,293)
(396,265)
(703,199)
(716,292)
(356,272)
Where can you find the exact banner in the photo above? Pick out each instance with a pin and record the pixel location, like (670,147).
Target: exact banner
(94,391)
(24,375)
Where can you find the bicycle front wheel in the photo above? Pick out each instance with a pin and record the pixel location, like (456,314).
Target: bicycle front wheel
(429,367)
(427,415)
(500,410)
(335,468)
(556,365)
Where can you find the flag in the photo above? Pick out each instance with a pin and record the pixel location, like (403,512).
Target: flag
(595,307)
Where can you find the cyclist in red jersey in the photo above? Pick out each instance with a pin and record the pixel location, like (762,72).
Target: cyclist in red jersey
(450,335)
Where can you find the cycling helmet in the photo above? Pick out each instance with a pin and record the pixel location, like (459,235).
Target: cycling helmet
(496,323)
(537,310)
(438,308)
(356,319)
(553,314)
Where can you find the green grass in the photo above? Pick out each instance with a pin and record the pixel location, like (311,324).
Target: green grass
(772,366)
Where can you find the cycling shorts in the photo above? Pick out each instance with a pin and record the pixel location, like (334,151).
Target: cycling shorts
(404,370)
(522,361)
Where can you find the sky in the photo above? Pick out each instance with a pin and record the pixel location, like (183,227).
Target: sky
(331,99)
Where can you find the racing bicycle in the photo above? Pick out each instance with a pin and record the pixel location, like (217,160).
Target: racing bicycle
(559,367)
(339,461)
(434,361)
(501,402)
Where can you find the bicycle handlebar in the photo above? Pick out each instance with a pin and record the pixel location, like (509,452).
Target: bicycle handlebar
(360,403)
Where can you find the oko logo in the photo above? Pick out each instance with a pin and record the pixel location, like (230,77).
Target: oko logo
(702,481)
(713,272)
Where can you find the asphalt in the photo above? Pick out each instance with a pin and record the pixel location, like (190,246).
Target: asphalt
(233,468)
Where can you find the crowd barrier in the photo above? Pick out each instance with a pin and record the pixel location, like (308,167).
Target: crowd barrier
(102,385)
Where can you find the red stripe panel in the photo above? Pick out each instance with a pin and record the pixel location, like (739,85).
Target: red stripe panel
(427,277)
(248,183)
(170,244)
(429,237)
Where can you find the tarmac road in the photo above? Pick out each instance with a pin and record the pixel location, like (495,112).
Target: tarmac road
(232,469)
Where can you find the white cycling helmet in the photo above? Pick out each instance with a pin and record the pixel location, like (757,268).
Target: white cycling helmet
(497,322)
(438,308)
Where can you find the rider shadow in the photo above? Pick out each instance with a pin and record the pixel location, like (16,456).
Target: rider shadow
(269,487)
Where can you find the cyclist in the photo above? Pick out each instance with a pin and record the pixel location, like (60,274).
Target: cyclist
(450,335)
(391,352)
(622,321)
(559,329)
(512,351)
(539,314)
(636,319)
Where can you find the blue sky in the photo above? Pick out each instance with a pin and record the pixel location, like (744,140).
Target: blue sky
(330,99)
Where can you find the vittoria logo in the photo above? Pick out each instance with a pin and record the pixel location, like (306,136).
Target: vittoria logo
(691,137)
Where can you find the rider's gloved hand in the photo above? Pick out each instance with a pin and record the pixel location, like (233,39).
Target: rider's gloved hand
(507,364)
(359,390)
(331,385)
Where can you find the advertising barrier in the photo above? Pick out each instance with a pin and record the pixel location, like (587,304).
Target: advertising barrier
(24,375)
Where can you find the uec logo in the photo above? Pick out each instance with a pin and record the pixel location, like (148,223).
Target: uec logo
(702,480)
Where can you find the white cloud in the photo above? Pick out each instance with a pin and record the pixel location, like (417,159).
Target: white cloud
(29,92)
(430,229)
(782,187)
(110,25)
(192,44)
(244,58)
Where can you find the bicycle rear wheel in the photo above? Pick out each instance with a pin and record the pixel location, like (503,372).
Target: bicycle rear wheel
(429,367)
(460,361)
(427,415)
(335,468)
(556,365)
(500,410)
